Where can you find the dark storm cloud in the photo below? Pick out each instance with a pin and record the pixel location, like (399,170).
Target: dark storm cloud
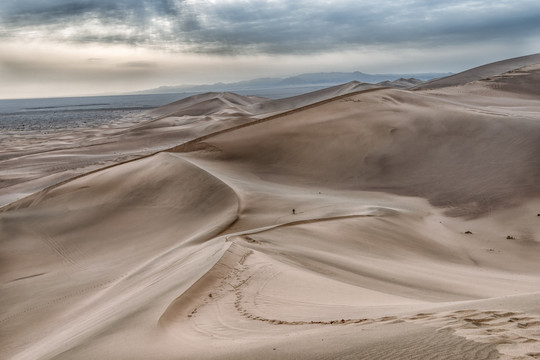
(119,21)
(304,27)
(273,27)
(32,12)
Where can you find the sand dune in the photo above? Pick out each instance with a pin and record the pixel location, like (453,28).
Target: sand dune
(33,162)
(400,142)
(205,104)
(142,223)
(414,235)
(401,83)
(480,72)
(210,103)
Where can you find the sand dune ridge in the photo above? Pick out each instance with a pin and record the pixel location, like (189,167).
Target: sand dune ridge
(415,231)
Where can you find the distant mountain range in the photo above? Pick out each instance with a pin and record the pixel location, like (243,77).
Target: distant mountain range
(302,83)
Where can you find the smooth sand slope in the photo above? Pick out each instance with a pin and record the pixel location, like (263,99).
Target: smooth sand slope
(415,235)
(30,162)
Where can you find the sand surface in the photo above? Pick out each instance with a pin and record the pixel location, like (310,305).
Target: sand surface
(33,161)
(415,232)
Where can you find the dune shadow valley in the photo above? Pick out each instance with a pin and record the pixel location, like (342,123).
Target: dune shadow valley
(360,221)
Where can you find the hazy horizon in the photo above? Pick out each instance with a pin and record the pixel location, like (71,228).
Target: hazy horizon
(56,48)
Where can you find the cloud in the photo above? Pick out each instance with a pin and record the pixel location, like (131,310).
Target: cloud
(82,46)
(138,65)
(131,22)
(309,27)
(31,12)
(236,27)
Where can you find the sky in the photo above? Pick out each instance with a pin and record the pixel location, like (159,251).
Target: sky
(82,47)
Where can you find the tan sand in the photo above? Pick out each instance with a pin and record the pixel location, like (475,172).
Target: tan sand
(481,72)
(30,162)
(415,233)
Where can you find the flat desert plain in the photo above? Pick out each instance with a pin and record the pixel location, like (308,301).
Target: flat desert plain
(357,222)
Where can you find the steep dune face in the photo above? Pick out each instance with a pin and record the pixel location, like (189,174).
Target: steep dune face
(142,206)
(399,142)
(96,249)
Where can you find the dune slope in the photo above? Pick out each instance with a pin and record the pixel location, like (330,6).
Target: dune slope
(395,141)
(85,255)
(480,72)
(380,224)
(32,162)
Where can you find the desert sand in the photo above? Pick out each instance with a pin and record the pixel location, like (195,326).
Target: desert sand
(415,232)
